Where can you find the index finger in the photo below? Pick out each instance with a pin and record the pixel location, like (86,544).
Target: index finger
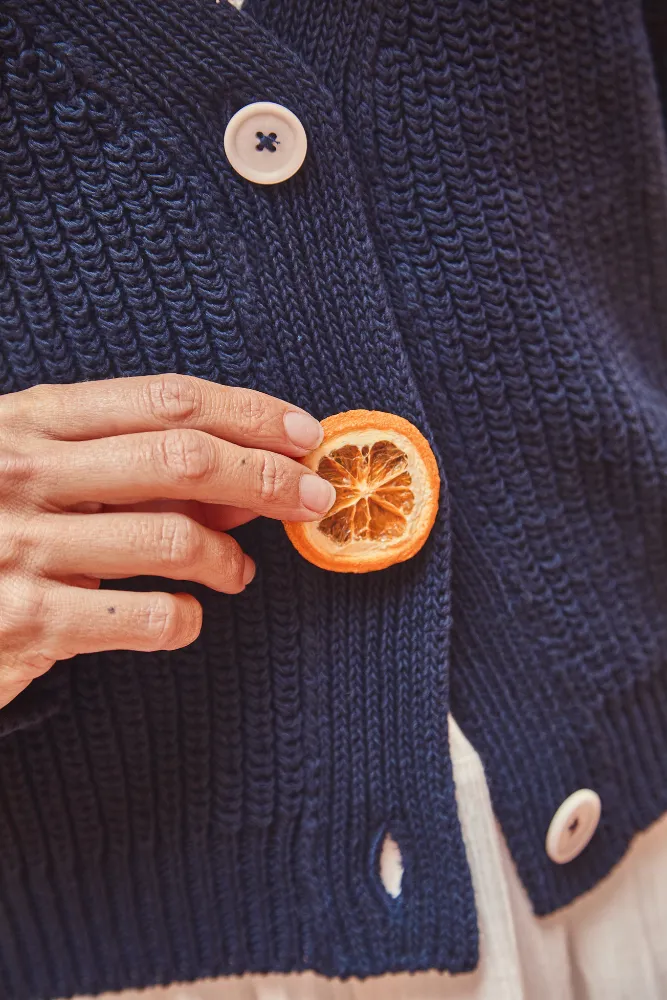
(93,410)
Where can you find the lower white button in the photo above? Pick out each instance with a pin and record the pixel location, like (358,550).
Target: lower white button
(265,142)
(574,824)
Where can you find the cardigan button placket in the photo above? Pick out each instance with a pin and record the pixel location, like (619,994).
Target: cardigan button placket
(265,143)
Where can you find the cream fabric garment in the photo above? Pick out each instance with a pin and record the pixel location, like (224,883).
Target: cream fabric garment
(609,945)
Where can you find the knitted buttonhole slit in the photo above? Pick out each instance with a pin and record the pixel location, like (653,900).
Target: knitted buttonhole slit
(391,866)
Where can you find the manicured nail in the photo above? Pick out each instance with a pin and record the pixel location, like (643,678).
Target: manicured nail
(303,430)
(316,494)
(249,570)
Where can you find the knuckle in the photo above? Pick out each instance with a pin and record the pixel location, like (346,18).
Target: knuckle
(162,622)
(21,609)
(13,543)
(35,393)
(180,541)
(187,456)
(235,563)
(16,468)
(172,398)
(253,410)
(270,478)
(23,405)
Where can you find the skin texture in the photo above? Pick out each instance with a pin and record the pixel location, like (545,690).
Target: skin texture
(112,479)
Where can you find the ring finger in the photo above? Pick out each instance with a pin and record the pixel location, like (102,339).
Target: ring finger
(117,546)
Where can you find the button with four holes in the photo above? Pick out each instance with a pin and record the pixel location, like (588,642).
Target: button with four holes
(265,142)
(573,825)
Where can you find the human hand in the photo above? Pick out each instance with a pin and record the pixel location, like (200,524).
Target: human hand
(134,476)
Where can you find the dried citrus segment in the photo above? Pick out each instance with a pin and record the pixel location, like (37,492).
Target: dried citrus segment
(387,485)
(373,492)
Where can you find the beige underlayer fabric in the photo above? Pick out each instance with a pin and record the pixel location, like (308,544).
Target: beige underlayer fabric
(609,945)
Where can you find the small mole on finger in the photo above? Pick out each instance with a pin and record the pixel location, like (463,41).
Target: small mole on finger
(112,611)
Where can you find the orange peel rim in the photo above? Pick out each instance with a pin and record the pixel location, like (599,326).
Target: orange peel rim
(359,420)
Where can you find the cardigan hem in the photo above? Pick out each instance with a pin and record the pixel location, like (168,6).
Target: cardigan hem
(618,749)
(204,908)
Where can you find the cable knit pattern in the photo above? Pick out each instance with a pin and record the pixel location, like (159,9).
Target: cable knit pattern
(477,240)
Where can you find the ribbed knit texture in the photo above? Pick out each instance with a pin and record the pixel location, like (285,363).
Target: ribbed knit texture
(478,241)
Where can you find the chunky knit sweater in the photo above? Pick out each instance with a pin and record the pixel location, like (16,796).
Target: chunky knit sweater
(477,240)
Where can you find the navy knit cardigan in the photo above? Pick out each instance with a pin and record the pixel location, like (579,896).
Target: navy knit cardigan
(477,240)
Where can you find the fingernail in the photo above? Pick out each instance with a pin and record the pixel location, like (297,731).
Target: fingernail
(249,571)
(316,494)
(303,430)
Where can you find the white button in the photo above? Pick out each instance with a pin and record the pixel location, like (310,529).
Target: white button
(265,143)
(573,826)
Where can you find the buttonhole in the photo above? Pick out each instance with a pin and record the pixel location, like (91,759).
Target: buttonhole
(391,866)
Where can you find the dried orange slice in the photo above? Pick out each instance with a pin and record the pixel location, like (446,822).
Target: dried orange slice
(387,485)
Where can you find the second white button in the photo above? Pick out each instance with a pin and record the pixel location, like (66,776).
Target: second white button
(573,825)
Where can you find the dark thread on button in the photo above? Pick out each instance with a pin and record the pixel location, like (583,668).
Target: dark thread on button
(574,824)
(267,141)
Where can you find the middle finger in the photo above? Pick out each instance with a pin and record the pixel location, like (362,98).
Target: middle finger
(181,465)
